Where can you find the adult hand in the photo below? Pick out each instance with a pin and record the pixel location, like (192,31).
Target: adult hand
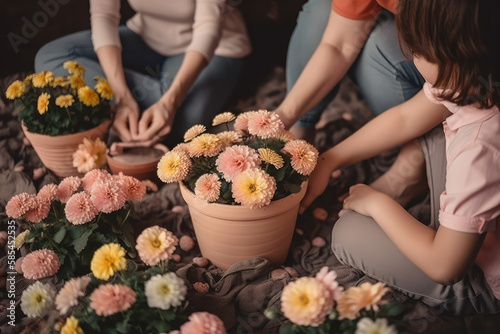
(155,123)
(317,183)
(363,199)
(126,118)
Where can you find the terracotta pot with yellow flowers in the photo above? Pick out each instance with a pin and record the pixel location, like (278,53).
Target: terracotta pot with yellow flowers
(243,187)
(57,113)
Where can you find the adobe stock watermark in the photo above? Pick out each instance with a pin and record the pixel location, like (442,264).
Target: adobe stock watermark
(11,272)
(31,27)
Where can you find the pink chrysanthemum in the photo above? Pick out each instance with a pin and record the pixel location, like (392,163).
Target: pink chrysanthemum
(70,292)
(174,166)
(304,156)
(40,263)
(329,279)
(80,209)
(107,196)
(133,188)
(264,124)
(92,177)
(20,204)
(207,187)
(203,323)
(253,188)
(207,145)
(156,244)
(39,210)
(48,192)
(241,122)
(67,187)
(109,299)
(183,147)
(236,159)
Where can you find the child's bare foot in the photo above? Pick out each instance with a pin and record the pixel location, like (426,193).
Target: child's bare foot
(405,180)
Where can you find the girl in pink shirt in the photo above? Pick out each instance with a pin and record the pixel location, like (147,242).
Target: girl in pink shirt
(454,262)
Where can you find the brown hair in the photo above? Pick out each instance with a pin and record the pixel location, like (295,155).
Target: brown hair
(461,37)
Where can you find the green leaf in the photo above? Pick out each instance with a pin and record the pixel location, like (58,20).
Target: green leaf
(59,236)
(291,187)
(80,243)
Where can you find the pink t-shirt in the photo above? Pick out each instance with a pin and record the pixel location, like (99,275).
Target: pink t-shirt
(471,200)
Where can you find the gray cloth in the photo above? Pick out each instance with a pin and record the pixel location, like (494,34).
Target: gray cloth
(358,240)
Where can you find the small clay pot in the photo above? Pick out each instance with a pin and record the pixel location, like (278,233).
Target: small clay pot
(139,162)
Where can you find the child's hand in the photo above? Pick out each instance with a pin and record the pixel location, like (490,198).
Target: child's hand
(363,199)
(317,184)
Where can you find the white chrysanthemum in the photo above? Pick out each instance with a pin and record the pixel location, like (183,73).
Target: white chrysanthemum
(165,291)
(38,300)
(379,326)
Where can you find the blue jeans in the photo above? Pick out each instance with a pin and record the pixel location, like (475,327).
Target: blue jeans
(384,75)
(149,75)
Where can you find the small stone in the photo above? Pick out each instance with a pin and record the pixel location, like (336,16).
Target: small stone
(299,231)
(26,141)
(186,243)
(176,258)
(38,173)
(279,274)
(336,173)
(347,116)
(3,280)
(19,264)
(2,272)
(19,168)
(3,238)
(318,242)
(201,261)
(292,272)
(178,209)
(201,287)
(320,214)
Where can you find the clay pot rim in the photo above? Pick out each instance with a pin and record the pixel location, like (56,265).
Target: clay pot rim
(104,125)
(152,163)
(280,205)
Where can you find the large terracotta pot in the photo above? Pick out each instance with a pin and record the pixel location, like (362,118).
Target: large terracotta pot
(56,152)
(228,234)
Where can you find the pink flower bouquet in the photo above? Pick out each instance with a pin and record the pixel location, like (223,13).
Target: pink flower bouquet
(255,164)
(69,221)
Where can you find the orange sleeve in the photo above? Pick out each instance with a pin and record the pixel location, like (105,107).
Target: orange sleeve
(356,9)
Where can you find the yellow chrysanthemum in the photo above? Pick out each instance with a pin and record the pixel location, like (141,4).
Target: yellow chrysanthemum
(306,302)
(356,298)
(60,82)
(104,89)
(76,82)
(20,238)
(42,79)
(271,157)
(194,132)
(253,188)
(229,138)
(74,68)
(15,90)
(107,260)
(224,117)
(64,101)
(29,79)
(207,145)
(174,166)
(43,103)
(71,326)
(90,155)
(88,96)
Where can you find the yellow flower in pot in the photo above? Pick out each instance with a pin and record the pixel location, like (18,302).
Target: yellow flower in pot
(243,187)
(58,112)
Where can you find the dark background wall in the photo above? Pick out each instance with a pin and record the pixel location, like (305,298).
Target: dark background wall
(26,25)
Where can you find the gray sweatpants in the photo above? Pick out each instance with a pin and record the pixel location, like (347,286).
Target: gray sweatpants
(358,241)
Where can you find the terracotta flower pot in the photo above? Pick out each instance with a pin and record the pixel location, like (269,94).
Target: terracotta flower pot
(228,234)
(139,162)
(56,152)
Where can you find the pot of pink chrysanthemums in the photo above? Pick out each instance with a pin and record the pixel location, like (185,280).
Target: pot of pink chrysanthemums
(243,187)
